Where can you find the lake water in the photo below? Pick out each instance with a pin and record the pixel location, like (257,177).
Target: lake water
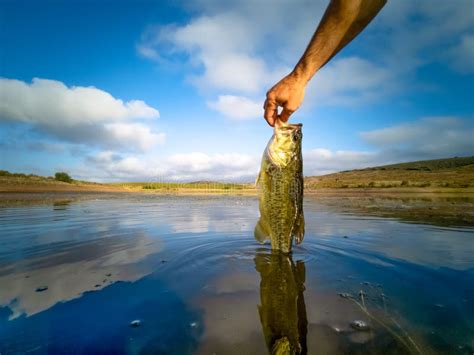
(76,270)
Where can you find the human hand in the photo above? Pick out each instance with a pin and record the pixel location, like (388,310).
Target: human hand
(288,93)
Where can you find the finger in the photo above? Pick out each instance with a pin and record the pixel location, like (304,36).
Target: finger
(285,115)
(271,112)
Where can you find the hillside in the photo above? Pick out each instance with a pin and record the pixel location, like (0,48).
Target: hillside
(452,173)
(18,182)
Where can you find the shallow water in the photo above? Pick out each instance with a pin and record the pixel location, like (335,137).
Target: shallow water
(76,270)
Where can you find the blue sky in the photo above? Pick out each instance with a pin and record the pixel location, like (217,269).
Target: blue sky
(153,90)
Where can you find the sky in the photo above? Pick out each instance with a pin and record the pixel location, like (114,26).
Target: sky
(173,90)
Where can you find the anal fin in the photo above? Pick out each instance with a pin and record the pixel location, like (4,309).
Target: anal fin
(299,229)
(261,231)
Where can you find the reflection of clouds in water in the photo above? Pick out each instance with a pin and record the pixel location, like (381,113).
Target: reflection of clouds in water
(233,325)
(223,215)
(70,269)
(414,243)
(238,281)
(231,320)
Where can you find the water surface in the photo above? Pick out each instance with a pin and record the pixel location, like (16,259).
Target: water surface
(76,270)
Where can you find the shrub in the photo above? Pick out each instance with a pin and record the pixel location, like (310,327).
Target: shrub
(61,176)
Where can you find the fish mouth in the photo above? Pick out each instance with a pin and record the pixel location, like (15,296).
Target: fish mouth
(288,127)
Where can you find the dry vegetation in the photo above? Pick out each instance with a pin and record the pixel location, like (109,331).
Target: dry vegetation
(454,173)
(18,182)
(198,186)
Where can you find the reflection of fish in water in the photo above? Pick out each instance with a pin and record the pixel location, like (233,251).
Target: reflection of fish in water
(280,185)
(282,308)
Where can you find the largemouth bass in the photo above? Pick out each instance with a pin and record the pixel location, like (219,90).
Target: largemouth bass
(280,184)
(282,307)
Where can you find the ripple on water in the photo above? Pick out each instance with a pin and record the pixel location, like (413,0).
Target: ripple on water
(198,256)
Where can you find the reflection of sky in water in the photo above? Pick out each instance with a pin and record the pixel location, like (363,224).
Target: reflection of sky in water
(189,269)
(415,243)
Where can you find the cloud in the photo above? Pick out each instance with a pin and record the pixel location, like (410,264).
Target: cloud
(462,55)
(244,47)
(193,166)
(135,134)
(79,114)
(424,139)
(412,33)
(201,166)
(322,161)
(221,45)
(41,146)
(237,107)
(111,166)
(350,81)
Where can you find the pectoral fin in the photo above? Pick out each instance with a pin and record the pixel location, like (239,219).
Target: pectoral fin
(299,229)
(261,231)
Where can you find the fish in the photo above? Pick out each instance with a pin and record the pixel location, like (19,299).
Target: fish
(280,188)
(282,308)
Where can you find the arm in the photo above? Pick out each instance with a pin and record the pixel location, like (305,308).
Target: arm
(341,23)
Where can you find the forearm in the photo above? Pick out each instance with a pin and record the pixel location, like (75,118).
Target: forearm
(342,21)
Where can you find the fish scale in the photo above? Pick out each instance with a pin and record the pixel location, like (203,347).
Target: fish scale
(280,184)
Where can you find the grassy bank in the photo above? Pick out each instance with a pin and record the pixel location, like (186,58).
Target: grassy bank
(455,174)
(191,187)
(18,182)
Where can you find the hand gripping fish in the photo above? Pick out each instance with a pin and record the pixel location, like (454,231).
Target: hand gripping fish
(280,184)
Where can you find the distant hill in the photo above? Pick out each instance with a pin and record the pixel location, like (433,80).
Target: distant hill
(428,165)
(438,173)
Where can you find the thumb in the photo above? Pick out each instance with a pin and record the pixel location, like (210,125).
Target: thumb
(285,114)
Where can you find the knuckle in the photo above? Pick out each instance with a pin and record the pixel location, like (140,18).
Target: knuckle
(291,108)
(271,95)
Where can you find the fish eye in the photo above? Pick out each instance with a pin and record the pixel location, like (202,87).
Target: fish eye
(295,137)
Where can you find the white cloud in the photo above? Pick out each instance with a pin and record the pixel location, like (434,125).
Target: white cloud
(193,166)
(427,137)
(322,161)
(135,134)
(222,45)
(237,107)
(50,101)
(245,47)
(424,139)
(79,114)
(350,81)
(462,55)
(201,166)
(110,166)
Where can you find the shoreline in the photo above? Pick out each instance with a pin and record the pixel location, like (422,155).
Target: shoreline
(112,188)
